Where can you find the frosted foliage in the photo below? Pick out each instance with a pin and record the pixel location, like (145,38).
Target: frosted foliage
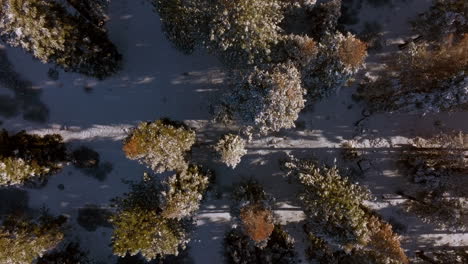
(267,100)
(160,145)
(182,192)
(328,72)
(231,148)
(245,30)
(15,171)
(332,203)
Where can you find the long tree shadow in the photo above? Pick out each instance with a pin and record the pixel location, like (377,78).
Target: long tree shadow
(22,98)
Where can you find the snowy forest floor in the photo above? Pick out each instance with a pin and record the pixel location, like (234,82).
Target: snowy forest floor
(158,81)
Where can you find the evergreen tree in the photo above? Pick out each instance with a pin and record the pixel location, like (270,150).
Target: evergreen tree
(182,192)
(331,202)
(257,222)
(29,158)
(23,240)
(245,31)
(230,149)
(334,204)
(162,145)
(339,227)
(264,100)
(338,59)
(138,230)
(48,31)
(139,226)
(184,22)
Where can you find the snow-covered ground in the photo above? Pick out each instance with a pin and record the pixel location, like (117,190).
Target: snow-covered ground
(158,81)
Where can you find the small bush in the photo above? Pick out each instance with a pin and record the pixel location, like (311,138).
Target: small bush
(231,148)
(162,145)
